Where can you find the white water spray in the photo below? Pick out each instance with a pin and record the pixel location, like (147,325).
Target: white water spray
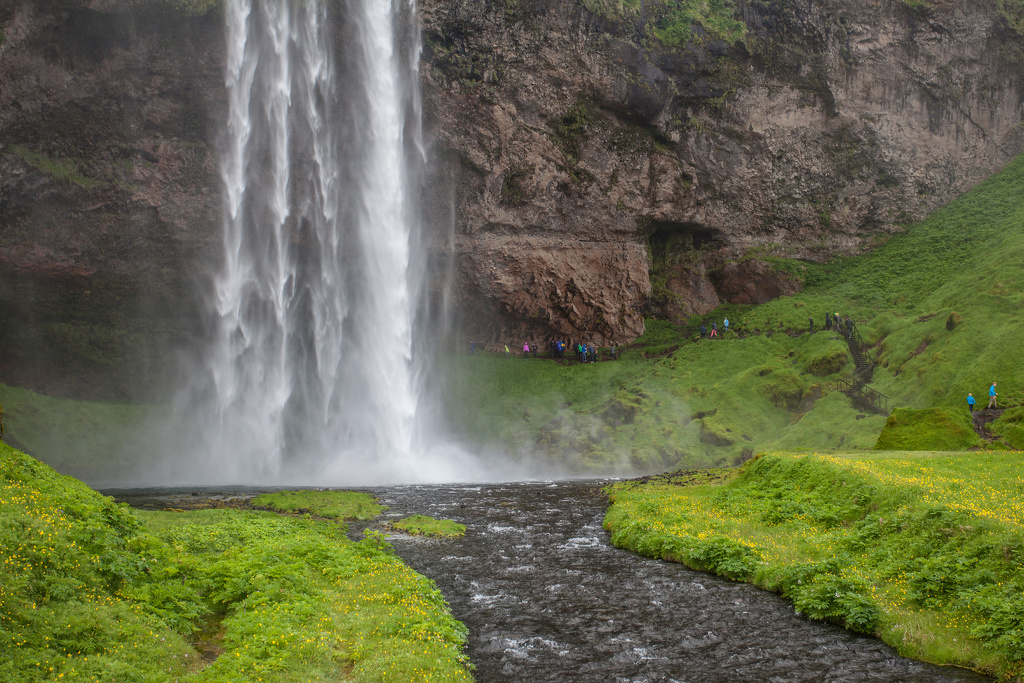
(314,373)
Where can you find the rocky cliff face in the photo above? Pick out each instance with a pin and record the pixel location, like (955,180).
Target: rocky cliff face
(584,174)
(584,150)
(109,190)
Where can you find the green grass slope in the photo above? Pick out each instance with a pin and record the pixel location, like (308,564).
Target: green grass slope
(93,591)
(940,304)
(924,551)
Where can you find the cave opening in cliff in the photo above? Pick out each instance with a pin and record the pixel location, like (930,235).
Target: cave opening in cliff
(666,239)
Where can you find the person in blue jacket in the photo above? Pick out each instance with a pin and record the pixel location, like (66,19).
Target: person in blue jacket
(992,396)
(971,402)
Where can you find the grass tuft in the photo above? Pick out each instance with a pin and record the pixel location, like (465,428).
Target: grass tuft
(422,525)
(327,504)
(929,429)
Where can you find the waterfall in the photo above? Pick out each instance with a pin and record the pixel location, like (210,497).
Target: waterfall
(314,372)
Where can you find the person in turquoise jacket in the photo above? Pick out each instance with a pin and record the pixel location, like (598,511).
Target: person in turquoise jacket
(971,402)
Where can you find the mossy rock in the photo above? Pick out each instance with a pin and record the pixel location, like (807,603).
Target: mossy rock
(715,432)
(783,388)
(422,525)
(830,361)
(1010,426)
(929,429)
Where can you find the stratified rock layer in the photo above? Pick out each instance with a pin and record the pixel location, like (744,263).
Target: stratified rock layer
(575,135)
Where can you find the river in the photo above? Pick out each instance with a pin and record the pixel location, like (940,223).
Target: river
(547,598)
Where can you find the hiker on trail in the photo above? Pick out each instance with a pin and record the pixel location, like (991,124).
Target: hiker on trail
(849,327)
(725,325)
(714,330)
(992,396)
(970,402)
(613,351)
(526,349)
(828,321)
(508,354)
(703,331)
(811,321)
(472,348)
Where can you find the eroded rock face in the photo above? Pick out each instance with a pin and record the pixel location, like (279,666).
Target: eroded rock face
(753,282)
(828,123)
(582,176)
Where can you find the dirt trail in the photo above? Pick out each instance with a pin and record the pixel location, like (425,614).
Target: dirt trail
(980,420)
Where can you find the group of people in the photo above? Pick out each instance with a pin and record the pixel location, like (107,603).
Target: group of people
(836,323)
(991,398)
(585,353)
(714,329)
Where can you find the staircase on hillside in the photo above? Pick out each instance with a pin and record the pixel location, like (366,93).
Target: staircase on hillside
(855,386)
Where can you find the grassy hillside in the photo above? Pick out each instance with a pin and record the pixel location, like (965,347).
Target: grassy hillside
(93,591)
(924,551)
(940,303)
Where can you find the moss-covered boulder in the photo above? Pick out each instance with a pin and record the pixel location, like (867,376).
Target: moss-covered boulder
(823,355)
(829,361)
(929,429)
(1010,426)
(783,388)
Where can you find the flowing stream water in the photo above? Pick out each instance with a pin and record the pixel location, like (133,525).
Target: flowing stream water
(547,598)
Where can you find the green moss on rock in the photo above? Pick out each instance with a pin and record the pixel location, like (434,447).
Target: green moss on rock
(1010,426)
(829,361)
(928,429)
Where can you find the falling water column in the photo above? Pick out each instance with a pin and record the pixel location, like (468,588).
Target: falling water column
(311,376)
(384,221)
